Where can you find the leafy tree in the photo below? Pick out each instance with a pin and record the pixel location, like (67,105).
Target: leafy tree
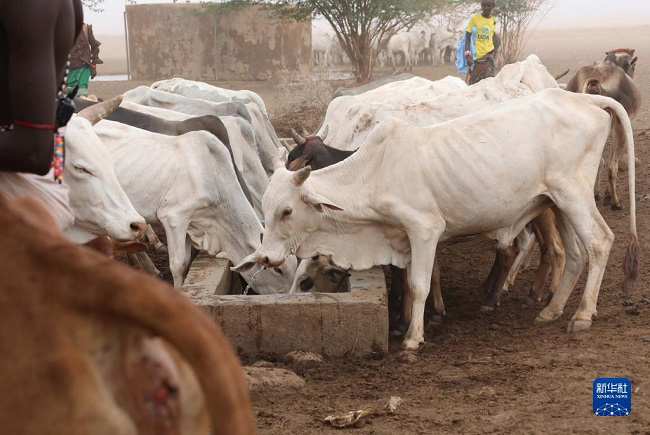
(93,5)
(359,24)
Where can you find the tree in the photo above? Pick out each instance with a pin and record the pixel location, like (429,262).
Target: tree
(514,18)
(93,5)
(359,24)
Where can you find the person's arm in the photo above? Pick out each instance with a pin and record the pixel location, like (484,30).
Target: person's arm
(468,41)
(38,33)
(94,47)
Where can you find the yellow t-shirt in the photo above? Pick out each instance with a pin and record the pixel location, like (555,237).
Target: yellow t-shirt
(484,33)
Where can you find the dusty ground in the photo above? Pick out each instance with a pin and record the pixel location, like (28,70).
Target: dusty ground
(496,373)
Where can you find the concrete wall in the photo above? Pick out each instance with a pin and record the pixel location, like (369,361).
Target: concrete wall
(176,40)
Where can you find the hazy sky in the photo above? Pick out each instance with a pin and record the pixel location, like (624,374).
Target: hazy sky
(567,13)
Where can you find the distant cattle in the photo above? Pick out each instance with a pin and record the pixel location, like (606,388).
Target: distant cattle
(623,57)
(607,78)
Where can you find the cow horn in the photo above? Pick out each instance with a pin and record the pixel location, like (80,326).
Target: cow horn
(97,112)
(301,176)
(297,138)
(323,135)
(559,76)
(304,132)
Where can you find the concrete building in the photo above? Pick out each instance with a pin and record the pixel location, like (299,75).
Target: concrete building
(180,40)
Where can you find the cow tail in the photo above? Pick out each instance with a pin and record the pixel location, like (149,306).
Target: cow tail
(631,262)
(592,86)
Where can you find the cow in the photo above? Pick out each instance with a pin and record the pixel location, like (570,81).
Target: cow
(242,145)
(607,78)
(470,182)
(318,274)
(623,57)
(91,346)
(204,91)
(531,72)
(268,151)
(337,112)
(441,103)
(209,123)
(320,46)
(191,189)
(97,200)
(441,41)
(400,43)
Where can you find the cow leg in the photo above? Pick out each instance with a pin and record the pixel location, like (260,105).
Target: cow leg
(488,284)
(398,315)
(526,243)
(178,248)
(597,239)
(575,261)
(423,251)
(506,257)
(552,256)
(618,143)
(153,239)
(598,190)
(435,294)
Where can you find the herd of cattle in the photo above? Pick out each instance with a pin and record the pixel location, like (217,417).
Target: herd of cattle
(397,167)
(432,44)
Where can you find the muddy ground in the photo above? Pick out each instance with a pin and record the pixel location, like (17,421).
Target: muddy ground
(495,373)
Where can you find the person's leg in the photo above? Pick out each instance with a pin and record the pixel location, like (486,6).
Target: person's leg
(84,78)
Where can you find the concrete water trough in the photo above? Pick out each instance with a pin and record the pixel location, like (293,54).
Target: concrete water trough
(332,324)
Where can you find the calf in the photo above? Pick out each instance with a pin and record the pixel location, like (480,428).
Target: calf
(91,346)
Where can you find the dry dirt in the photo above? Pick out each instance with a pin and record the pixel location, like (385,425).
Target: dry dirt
(496,373)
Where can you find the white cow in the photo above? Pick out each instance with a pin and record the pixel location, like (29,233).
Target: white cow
(358,117)
(493,170)
(531,72)
(269,152)
(399,43)
(338,107)
(194,89)
(321,42)
(99,204)
(242,143)
(204,91)
(361,119)
(188,184)
(440,41)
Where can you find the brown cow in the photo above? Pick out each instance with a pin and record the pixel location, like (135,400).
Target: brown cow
(623,57)
(607,78)
(79,347)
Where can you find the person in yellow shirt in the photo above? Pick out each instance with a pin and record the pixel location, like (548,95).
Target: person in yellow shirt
(486,44)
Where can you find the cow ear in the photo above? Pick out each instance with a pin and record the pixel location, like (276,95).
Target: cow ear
(319,202)
(246,264)
(301,176)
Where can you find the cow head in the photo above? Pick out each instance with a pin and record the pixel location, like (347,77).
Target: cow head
(98,202)
(624,58)
(318,274)
(292,210)
(306,150)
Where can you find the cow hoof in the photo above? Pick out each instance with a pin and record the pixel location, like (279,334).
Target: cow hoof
(578,325)
(616,207)
(486,309)
(412,344)
(544,318)
(597,197)
(436,319)
(162,249)
(398,329)
(531,301)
